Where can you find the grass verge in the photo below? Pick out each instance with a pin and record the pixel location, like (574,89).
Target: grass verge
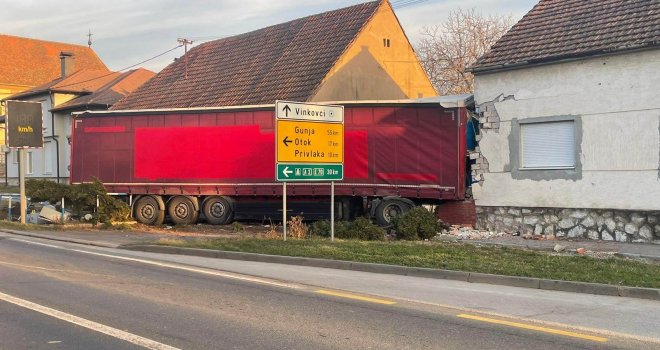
(451,256)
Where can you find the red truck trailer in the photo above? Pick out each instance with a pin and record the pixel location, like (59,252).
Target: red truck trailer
(219,163)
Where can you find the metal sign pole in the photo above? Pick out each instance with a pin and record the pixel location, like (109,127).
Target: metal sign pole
(62,210)
(284,208)
(21,183)
(332,211)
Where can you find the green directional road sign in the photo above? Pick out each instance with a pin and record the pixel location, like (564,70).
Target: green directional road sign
(309,172)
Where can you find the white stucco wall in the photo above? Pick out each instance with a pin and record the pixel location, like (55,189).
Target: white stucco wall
(616,99)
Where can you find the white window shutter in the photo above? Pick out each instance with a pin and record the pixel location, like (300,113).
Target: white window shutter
(548,145)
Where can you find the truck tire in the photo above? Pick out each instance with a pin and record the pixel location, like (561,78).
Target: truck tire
(389,209)
(182,210)
(218,210)
(148,212)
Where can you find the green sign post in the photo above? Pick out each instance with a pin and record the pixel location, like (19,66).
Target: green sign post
(310,172)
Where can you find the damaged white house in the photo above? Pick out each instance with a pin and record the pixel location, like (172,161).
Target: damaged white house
(569,115)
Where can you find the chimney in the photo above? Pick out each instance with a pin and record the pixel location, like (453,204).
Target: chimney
(66,63)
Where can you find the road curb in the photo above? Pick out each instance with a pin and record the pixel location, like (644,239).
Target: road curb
(61,239)
(472,277)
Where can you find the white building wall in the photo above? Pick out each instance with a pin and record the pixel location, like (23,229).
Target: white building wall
(616,100)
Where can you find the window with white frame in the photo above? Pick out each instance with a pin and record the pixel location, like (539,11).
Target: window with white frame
(548,145)
(28,163)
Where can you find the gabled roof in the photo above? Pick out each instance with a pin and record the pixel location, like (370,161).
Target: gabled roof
(31,62)
(284,61)
(111,92)
(82,81)
(567,29)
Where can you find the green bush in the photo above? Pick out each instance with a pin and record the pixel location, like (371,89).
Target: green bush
(417,223)
(362,229)
(79,199)
(320,228)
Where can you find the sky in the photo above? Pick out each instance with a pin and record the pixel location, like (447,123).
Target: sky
(127,32)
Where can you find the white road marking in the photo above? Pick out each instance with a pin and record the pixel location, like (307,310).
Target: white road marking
(113,332)
(32,267)
(192,269)
(37,243)
(230,275)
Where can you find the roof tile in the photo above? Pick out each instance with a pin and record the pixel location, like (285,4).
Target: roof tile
(31,62)
(559,29)
(112,91)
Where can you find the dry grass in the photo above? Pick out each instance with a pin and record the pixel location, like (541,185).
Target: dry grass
(297,228)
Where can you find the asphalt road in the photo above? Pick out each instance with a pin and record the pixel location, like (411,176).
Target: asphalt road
(78,298)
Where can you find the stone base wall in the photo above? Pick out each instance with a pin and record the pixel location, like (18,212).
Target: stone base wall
(597,224)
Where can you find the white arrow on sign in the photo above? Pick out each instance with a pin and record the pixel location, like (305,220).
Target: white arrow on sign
(286,171)
(309,111)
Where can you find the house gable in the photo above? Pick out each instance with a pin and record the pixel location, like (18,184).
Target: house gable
(379,64)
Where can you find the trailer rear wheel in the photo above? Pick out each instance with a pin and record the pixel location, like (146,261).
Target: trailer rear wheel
(182,210)
(218,210)
(147,211)
(389,209)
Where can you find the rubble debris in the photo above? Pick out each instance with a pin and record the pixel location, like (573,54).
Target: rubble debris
(468,233)
(559,248)
(47,215)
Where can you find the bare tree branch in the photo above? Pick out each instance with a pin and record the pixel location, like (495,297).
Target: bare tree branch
(446,50)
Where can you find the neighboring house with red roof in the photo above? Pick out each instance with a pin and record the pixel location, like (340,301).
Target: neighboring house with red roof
(570,123)
(355,53)
(26,63)
(80,91)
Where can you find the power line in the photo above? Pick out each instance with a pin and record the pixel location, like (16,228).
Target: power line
(126,68)
(406,3)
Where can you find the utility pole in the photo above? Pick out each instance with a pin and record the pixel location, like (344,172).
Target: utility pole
(185,43)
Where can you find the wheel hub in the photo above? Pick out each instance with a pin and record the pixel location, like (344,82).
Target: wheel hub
(148,211)
(391,212)
(181,210)
(217,209)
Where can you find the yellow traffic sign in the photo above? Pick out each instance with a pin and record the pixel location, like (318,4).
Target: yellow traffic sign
(309,142)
